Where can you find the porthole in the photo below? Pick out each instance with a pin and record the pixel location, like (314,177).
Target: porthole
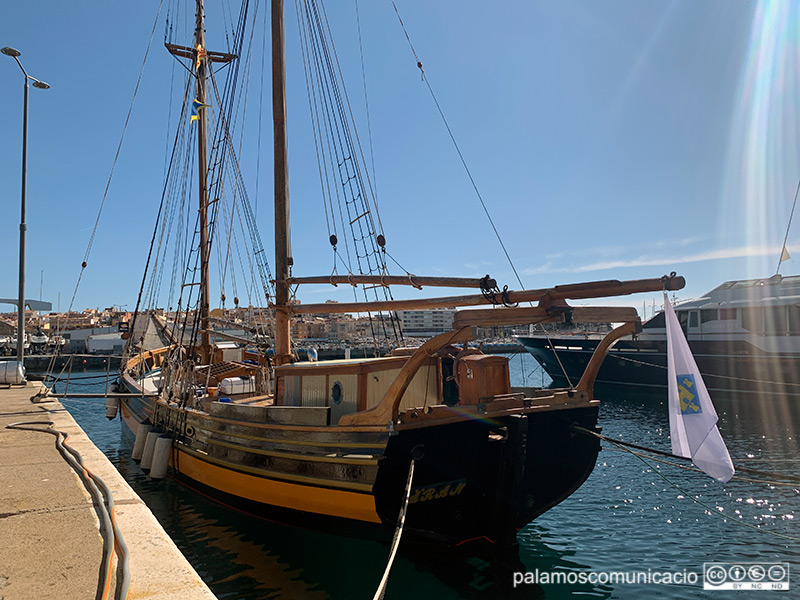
(336,393)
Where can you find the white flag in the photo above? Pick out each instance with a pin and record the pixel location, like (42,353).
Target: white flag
(692,418)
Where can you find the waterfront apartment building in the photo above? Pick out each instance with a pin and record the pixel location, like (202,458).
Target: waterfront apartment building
(426,323)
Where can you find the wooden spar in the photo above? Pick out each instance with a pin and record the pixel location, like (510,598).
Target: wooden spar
(233,324)
(282,244)
(538,314)
(185,52)
(412,280)
(547,296)
(586,383)
(228,336)
(58,395)
(200,37)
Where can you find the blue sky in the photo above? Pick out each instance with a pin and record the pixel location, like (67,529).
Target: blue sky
(610,140)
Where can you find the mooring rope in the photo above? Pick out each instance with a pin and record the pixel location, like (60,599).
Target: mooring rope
(585,431)
(398,532)
(696,470)
(708,507)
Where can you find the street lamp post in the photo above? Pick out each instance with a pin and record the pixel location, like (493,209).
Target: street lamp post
(13,53)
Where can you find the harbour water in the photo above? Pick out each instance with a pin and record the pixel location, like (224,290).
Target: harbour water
(630,516)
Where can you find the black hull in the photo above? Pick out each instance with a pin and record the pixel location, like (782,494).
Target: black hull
(512,471)
(729,366)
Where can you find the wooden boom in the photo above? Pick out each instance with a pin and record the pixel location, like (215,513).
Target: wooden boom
(546,297)
(490,317)
(385,280)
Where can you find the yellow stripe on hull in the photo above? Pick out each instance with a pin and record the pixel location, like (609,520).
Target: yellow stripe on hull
(335,503)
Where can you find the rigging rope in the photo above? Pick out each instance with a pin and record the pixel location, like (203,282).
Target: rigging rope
(366,104)
(337,144)
(786,237)
(469,173)
(457,147)
(116,157)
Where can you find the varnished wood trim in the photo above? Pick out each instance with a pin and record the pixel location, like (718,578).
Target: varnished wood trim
(301,457)
(386,280)
(263,473)
(576,291)
(539,314)
(295,442)
(434,420)
(330,429)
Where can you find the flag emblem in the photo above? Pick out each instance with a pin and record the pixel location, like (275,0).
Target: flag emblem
(201,55)
(687,394)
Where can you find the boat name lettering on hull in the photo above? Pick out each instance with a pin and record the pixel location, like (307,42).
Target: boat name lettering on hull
(437,491)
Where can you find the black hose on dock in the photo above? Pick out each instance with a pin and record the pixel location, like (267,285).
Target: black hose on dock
(112,536)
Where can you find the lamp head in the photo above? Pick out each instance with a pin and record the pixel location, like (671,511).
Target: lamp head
(41,85)
(9,51)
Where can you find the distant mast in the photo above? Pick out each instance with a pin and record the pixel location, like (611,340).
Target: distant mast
(282,245)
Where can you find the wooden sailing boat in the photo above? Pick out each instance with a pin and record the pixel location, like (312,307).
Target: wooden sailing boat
(334,442)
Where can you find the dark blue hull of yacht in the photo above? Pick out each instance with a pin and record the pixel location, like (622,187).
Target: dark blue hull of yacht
(732,366)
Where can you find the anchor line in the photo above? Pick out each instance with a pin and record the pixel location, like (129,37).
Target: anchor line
(710,509)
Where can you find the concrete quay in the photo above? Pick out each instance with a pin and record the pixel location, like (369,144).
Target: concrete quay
(51,546)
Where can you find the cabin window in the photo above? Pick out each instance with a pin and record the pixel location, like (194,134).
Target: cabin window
(693,319)
(775,320)
(794,318)
(727,314)
(708,315)
(683,318)
(750,320)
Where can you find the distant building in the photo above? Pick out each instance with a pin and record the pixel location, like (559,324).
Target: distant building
(77,339)
(426,323)
(105,343)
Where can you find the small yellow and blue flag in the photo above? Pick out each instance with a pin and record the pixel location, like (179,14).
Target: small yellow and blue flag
(196,106)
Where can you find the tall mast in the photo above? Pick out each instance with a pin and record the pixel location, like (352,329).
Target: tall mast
(282,259)
(202,65)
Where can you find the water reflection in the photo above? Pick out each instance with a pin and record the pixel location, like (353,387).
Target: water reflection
(626,517)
